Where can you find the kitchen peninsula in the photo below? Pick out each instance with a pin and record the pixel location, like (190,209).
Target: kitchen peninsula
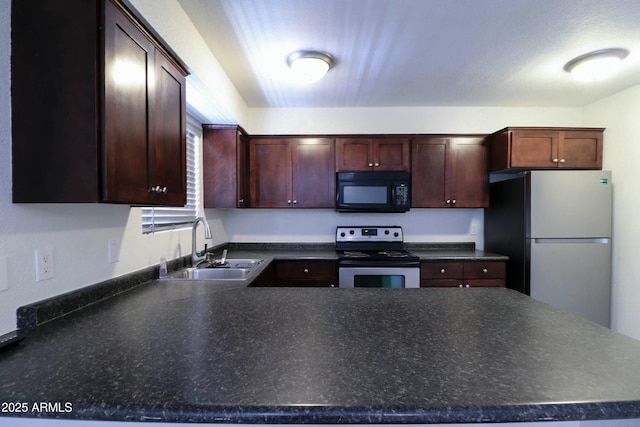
(196,351)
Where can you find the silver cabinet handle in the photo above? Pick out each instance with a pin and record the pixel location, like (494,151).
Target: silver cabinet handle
(555,160)
(453,201)
(288,202)
(295,202)
(376,164)
(240,200)
(158,189)
(442,270)
(562,160)
(370,165)
(305,271)
(484,270)
(448,201)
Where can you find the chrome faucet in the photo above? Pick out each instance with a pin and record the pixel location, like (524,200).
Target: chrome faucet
(207,235)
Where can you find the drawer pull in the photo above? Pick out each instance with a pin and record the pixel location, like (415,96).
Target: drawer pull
(484,270)
(442,270)
(305,271)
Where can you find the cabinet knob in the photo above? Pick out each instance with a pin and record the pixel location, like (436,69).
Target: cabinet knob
(467,285)
(370,165)
(555,160)
(376,164)
(453,202)
(484,270)
(562,160)
(448,201)
(295,202)
(164,190)
(442,270)
(305,271)
(241,201)
(288,202)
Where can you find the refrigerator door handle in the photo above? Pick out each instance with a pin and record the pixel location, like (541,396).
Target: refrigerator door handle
(601,240)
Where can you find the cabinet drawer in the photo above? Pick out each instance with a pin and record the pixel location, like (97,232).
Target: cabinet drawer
(441,270)
(306,270)
(485,270)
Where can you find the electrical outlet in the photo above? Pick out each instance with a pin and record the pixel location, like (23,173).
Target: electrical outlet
(45,268)
(4,276)
(473,229)
(114,250)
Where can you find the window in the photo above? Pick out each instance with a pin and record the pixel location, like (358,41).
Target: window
(176,218)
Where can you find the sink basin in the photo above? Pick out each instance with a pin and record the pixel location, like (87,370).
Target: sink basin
(211,274)
(242,262)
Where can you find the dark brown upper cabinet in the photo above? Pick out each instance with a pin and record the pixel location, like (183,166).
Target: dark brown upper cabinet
(365,153)
(98,106)
(522,148)
(225,166)
(449,171)
(292,172)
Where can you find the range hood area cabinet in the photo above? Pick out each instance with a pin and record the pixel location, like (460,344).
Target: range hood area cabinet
(449,171)
(292,172)
(225,166)
(524,148)
(98,106)
(373,153)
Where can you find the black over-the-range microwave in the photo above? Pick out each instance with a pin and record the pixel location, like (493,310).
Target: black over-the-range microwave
(370,191)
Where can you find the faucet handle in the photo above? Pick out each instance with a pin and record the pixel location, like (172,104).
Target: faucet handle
(204,251)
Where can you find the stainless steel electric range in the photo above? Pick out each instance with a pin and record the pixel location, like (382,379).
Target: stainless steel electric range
(374,257)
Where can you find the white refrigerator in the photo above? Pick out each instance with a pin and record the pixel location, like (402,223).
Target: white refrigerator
(555,226)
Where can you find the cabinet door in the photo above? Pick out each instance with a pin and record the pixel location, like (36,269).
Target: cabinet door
(242,166)
(391,154)
(441,273)
(354,154)
(225,165)
(428,172)
(129,56)
(468,173)
(580,149)
(534,149)
(485,273)
(167,151)
(270,173)
(313,172)
(306,273)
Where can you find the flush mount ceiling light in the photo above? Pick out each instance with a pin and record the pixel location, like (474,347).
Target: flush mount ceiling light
(309,66)
(596,65)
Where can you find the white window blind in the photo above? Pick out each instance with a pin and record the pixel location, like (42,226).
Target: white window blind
(175,218)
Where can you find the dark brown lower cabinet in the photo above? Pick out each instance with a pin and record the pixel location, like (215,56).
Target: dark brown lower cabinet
(463,274)
(305,273)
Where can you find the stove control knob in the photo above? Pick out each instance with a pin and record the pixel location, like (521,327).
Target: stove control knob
(386,231)
(343,234)
(396,234)
(352,232)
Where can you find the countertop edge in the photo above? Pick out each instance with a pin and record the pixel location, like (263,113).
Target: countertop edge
(300,414)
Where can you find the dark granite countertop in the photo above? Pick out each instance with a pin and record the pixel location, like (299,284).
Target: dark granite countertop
(179,351)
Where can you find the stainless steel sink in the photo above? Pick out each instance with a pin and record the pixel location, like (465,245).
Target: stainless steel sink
(242,263)
(211,274)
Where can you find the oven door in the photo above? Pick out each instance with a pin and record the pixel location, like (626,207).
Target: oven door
(379,277)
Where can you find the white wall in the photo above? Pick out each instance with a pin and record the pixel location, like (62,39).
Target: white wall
(619,114)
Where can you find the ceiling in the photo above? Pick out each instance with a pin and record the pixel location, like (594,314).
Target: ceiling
(408,53)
